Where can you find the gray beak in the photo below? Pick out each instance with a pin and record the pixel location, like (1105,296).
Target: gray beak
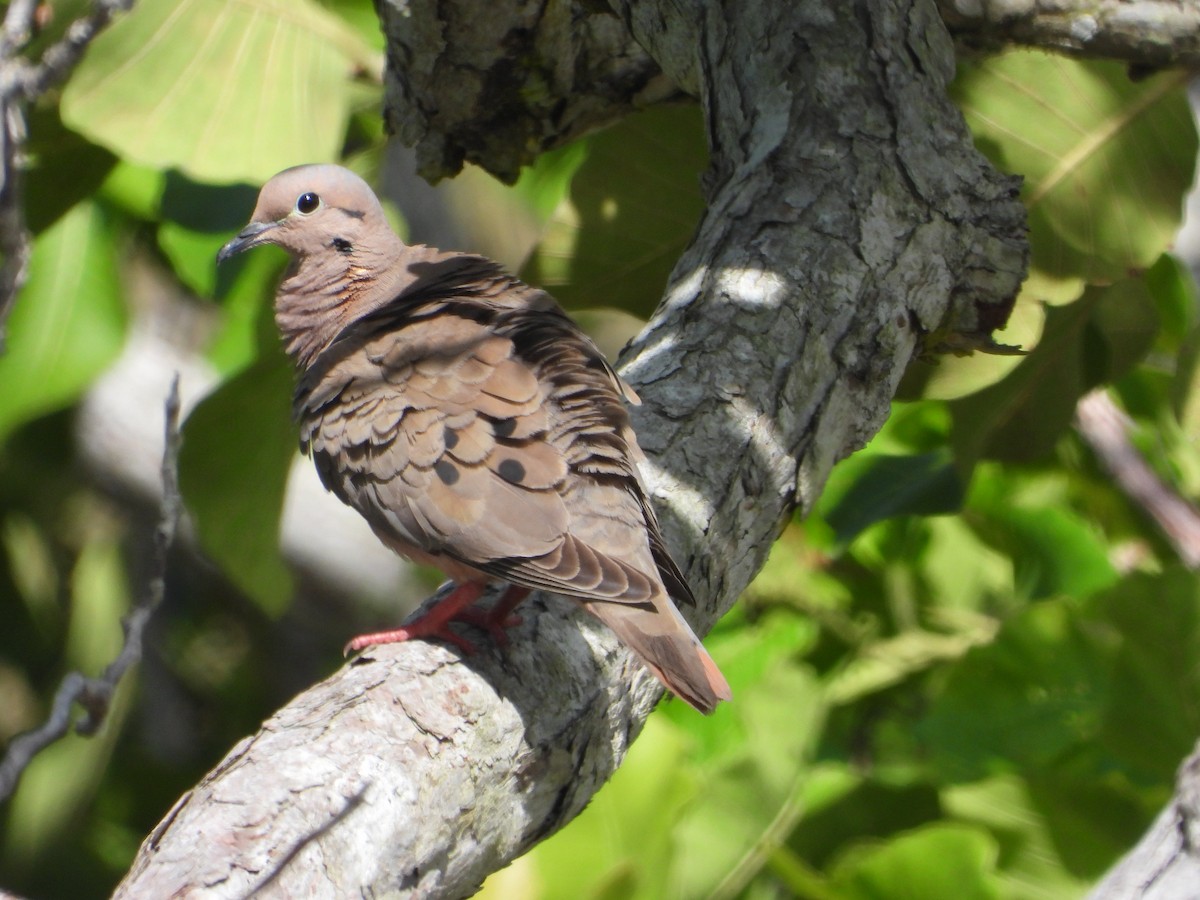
(250,236)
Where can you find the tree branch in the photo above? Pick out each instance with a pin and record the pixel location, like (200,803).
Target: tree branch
(95,694)
(1149,34)
(849,216)
(499,85)
(499,89)
(1105,429)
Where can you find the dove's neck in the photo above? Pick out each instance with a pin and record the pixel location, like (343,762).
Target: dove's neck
(323,293)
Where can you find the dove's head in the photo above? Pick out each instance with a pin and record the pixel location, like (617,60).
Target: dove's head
(313,211)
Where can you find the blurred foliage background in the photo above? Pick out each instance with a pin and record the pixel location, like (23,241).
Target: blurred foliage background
(970,672)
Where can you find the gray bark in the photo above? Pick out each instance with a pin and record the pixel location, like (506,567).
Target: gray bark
(498,87)
(1149,34)
(850,224)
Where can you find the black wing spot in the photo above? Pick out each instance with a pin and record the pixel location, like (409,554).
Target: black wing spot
(446,471)
(450,438)
(511,471)
(503,428)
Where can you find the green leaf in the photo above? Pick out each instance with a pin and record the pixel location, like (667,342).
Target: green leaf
(866,809)
(1154,716)
(545,184)
(1106,159)
(247,327)
(619,845)
(1053,549)
(751,802)
(634,204)
(59,784)
(238,444)
(1094,340)
(870,488)
(882,664)
(947,377)
(361,15)
(69,320)
(197,220)
(135,190)
(936,862)
(1030,865)
(1173,288)
(1092,820)
(62,170)
(224,92)
(192,255)
(1037,694)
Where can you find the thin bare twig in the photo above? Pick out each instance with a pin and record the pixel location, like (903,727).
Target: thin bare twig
(22,82)
(95,694)
(1105,429)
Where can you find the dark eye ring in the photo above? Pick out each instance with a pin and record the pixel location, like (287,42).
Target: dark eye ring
(307,203)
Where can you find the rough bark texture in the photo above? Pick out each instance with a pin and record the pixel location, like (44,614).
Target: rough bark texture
(849,217)
(500,86)
(496,84)
(1148,33)
(1165,865)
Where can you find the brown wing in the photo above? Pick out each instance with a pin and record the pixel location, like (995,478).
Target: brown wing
(450,442)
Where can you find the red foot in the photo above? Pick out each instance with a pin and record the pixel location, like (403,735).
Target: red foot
(435,623)
(456,605)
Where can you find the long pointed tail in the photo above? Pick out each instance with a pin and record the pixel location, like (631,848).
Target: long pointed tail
(668,647)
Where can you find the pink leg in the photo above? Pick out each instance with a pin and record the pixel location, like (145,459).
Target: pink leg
(495,620)
(435,623)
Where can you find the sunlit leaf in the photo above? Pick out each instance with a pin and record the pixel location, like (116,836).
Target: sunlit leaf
(223,91)
(882,664)
(946,377)
(1030,865)
(69,320)
(1096,339)
(618,847)
(135,190)
(964,869)
(1106,159)
(752,801)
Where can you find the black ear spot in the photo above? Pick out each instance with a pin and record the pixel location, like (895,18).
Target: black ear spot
(341,245)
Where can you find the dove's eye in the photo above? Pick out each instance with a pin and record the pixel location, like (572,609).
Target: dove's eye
(306,204)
